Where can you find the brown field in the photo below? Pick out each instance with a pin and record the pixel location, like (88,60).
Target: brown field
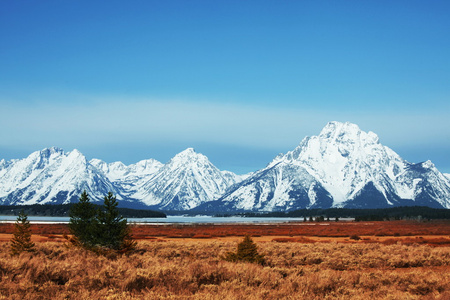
(390,260)
(434,233)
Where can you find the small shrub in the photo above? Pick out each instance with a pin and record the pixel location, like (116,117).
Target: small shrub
(355,237)
(247,251)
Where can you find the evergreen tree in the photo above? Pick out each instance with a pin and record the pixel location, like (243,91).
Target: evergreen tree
(83,222)
(247,251)
(113,230)
(21,240)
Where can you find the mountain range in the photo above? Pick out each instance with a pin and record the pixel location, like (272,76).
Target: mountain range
(341,167)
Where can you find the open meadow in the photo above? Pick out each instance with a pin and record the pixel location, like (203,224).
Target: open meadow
(328,260)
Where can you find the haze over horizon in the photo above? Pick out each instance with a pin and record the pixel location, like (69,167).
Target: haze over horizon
(238,81)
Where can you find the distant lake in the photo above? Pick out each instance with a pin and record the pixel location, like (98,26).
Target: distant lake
(168,220)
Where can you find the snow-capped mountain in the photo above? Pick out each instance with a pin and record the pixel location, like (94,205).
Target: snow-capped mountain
(129,178)
(341,167)
(51,176)
(186,181)
(117,171)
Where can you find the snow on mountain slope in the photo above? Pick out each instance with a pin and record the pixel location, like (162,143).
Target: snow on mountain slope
(113,171)
(185,182)
(278,187)
(51,176)
(3,164)
(429,186)
(129,178)
(342,164)
(345,159)
(118,171)
(341,167)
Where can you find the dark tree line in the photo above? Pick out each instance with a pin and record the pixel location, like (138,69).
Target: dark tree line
(62,210)
(379,214)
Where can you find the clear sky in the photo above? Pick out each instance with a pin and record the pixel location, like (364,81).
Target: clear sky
(240,81)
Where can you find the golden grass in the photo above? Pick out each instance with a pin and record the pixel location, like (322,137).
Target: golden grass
(194,270)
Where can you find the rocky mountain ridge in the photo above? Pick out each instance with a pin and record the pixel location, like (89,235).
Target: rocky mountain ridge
(53,176)
(343,166)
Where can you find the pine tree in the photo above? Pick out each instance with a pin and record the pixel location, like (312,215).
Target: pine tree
(114,232)
(247,251)
(21,240)
(83,222)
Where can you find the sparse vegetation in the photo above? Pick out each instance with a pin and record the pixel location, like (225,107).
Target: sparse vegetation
(392,260)
(194,270)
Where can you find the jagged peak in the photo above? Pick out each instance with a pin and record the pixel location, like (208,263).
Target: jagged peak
(50,151)
(44,154)
(188,154)
(336,126)
(96,161)
(428,164)
(188,159)
(188,151)
(148,162)
(3,163)
(118,164)
(337,139)
(339,131)
(76,152)
(76,155)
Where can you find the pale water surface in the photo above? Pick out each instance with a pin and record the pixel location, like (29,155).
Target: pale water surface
(168,220)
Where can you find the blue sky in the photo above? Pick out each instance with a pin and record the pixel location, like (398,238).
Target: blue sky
(240,81)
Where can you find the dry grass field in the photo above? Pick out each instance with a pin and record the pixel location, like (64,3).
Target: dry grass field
(184,262)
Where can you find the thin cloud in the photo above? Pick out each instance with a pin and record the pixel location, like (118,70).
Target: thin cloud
(106,120)
(129,120)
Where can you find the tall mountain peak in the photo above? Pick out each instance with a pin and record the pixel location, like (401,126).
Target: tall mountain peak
(341,132)
(185,182)
(76,154)
(187,152)
(51,176)
(334,127)
(336,142)
(188,156)
(47,152)
(343,166)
